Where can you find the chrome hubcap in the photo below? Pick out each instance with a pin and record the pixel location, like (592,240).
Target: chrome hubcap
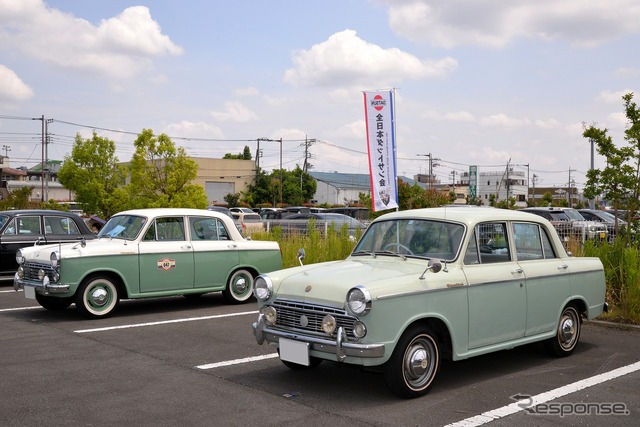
(99,297)
(241,285)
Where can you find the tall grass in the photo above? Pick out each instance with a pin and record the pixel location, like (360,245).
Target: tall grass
(336,245)
(622,267)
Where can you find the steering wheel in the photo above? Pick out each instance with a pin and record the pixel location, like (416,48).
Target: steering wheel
(399,246)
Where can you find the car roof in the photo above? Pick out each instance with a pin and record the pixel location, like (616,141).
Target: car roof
(466,214)
(16,212)
(153,212)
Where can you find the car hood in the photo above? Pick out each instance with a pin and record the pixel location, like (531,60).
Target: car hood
(329,282)
(103,246)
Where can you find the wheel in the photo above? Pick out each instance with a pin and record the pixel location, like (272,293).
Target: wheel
(399,246)
(567,334)
(414,363)
(53,303)
(97,297)
(240,287)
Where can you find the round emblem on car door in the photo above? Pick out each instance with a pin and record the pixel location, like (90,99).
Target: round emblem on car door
(308,288)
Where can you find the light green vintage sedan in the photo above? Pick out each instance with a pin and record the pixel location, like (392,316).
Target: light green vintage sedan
(422,285)
(146,253)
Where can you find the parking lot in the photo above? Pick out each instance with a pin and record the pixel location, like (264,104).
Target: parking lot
(179,361)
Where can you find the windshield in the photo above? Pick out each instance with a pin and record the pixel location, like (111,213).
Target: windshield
(123,227)
(412,237)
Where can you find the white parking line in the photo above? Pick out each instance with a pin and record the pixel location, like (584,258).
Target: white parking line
(19,308)
(237,361)
(12,290)
(163,322)
(505,411)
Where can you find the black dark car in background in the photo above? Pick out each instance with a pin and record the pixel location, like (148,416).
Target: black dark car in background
(20,228)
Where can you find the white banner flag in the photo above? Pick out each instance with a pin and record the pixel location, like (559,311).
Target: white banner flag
(379,120)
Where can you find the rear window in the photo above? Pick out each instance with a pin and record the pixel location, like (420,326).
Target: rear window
(252,218)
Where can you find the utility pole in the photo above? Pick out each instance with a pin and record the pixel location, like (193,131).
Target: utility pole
(592,141)
(569,187)
(432,164)
(535,178)
(6,149)
(307,155)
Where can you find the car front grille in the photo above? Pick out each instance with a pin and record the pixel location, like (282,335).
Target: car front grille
(296,316)
(31,270)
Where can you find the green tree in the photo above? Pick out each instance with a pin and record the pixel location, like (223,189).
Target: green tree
(161,174)
(17,199)
(93,173)
(245,155)
(298,187)
(619,181)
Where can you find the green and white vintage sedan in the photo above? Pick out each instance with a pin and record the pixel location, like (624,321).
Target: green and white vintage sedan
(146,253)
(422,285)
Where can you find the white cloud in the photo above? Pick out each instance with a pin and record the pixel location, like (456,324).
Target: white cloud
(121,46)
(495,23)
(344,59)
(234,111)
(610,97)
(547,124)
(189,129)
(502,120)
(246,91)
(12,87)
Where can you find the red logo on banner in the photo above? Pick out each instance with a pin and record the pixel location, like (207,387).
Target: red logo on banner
(378,102)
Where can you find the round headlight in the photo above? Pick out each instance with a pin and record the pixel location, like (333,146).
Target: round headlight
(20,257)
(328,324)
(359,300)
(54,259)
(359,330)
(262,288)
(270,315)
(41,274)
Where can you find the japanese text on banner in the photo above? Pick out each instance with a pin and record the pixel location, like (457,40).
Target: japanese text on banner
(378,108)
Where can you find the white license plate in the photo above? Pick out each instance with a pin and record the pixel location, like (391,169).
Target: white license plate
(30,292)
(294,351)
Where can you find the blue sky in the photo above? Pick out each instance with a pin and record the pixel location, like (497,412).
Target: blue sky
(481,82)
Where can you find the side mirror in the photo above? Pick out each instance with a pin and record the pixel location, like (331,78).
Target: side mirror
(301,255)
(434,265)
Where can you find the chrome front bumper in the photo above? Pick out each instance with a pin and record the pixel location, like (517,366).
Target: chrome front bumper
(340,347)
(45,287)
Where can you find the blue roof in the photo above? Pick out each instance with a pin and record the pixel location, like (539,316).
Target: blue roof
(349,180)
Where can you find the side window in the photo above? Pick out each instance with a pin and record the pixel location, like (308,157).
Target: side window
(471,254)
(11,229)
(28,225)
(207,228)
(527,240)
(60,225)
(492,242)
(150,235)
(170,228)
(547,247)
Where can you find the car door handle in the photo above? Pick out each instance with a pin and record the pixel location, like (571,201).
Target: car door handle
(563,267)
(232,246)
(517,271)
(185,247)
